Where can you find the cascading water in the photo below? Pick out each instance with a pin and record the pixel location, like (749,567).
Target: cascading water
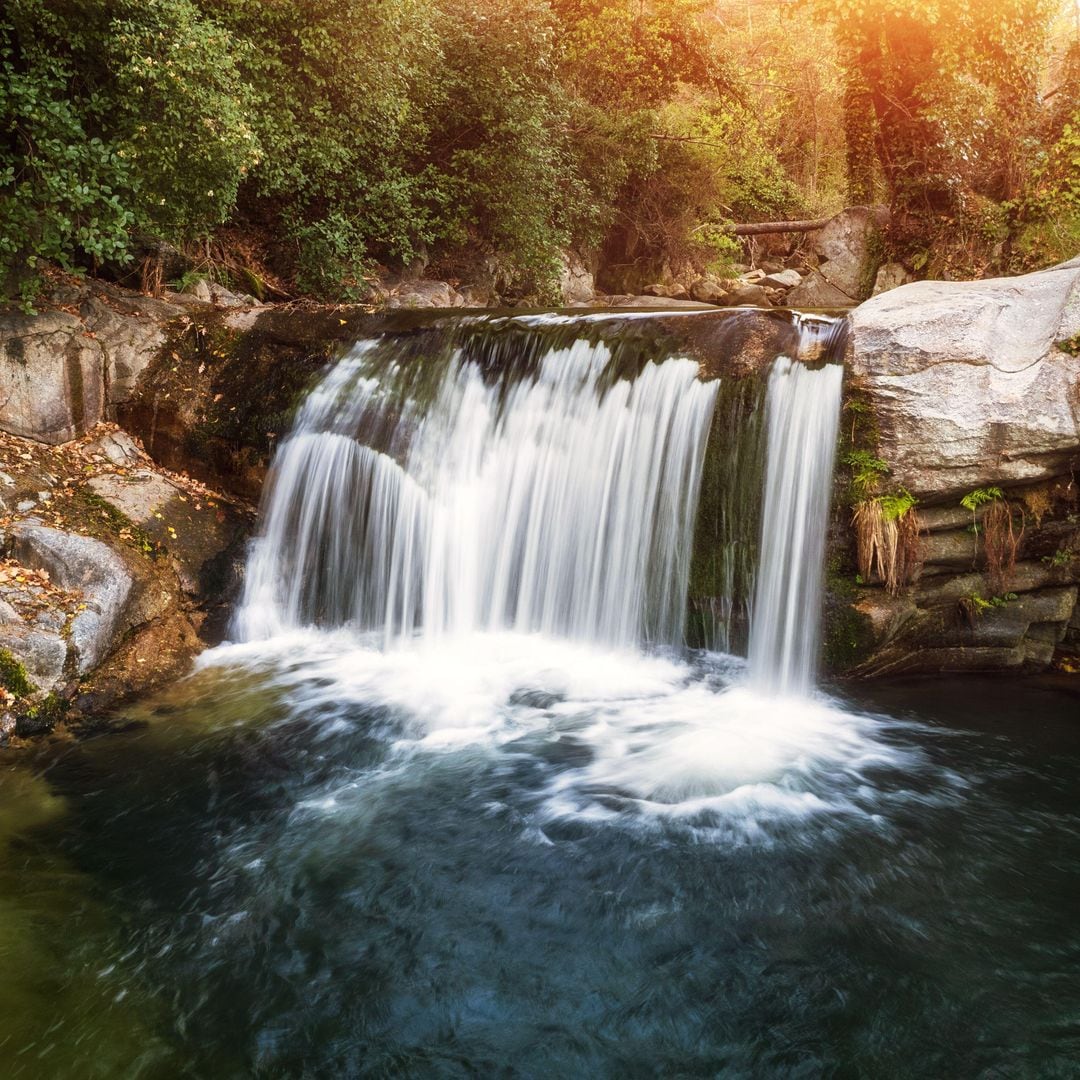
(803,412)
(530,484)
(559,500)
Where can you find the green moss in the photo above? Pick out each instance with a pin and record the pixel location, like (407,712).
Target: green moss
(98,510)
(847,634)
(724,555)
(13,676)
(875,256)
(859,427)
(41,717)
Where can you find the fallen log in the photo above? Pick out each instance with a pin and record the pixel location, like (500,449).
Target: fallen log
(760,228)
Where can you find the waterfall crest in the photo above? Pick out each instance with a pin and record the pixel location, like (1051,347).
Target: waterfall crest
(558,499)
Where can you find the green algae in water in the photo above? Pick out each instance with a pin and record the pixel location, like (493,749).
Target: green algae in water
(67,1005)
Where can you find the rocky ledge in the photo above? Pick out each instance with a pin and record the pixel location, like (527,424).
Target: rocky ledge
(113,575)
(962,464)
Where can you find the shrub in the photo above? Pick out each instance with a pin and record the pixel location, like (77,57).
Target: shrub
(118,115)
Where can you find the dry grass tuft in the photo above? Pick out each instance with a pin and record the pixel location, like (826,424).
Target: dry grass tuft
(887,545)
(1001,542)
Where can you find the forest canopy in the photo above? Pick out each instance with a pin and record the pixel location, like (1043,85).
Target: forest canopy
(313,141)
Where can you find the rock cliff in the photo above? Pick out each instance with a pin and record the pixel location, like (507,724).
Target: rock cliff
(964,398)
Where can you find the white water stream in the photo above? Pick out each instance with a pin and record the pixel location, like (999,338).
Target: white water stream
(554,504)
(803,409)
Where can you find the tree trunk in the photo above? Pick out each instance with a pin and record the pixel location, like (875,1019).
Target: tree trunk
(760,228)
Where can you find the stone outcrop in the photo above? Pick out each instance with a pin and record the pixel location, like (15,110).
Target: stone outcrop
(109,570)
(972,383)
(706,290)
(969,390)
(425,294)
(577,280)
(63,371)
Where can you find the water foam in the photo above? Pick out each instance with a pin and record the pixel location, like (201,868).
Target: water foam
(618,737)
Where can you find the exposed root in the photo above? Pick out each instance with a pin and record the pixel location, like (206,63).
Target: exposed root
(887,546)
(151,276)
(1001,542)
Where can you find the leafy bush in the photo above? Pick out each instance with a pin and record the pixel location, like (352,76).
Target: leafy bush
(118,115)
(331,135)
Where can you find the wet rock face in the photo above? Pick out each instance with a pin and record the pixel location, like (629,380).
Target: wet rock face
(957,623)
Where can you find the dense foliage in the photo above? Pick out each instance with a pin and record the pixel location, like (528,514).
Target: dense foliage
(488,136)
(950,117)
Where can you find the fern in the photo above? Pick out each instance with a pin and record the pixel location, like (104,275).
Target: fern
(898,504)
(980,497)
(866,471)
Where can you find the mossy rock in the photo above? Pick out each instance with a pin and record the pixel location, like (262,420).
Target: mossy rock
(40,717)
(848,638)
(13,675)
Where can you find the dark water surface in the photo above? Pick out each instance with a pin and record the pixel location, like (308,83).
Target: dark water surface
(543,861)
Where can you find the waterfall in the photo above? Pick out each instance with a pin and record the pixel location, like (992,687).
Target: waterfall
(803,409)
(555,495)
(517,478)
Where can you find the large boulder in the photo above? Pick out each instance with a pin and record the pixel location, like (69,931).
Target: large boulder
(707,290)
(577,283)
(782,279)
(749,293)
(660,302)
(973,384)
(851,247)
(963,386)
(80,563)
